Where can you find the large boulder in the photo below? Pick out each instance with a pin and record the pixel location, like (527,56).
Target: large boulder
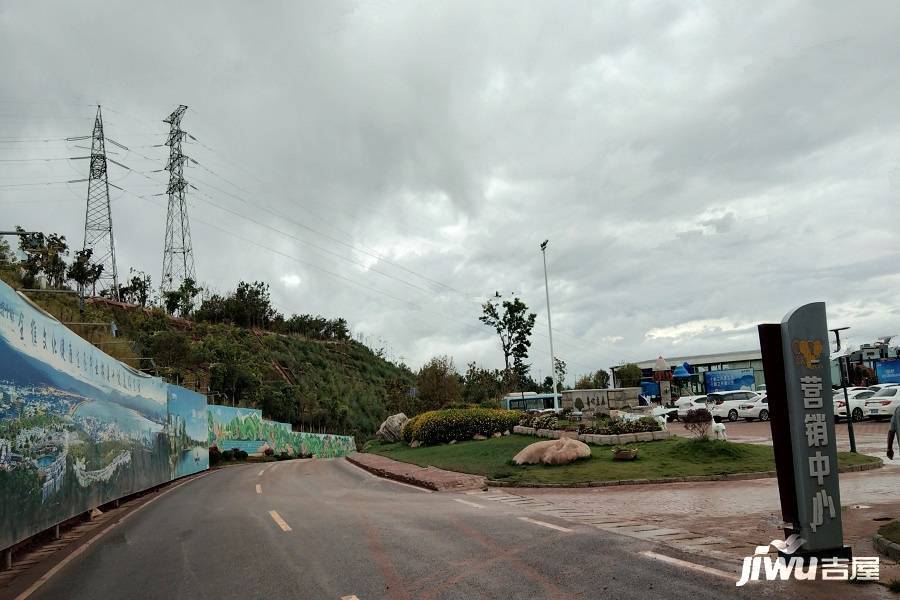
(553,452)
(392,428)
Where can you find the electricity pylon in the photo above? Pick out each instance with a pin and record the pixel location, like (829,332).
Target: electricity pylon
(178,255)
(98,227)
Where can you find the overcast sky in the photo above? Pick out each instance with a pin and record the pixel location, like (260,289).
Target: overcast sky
(699,168)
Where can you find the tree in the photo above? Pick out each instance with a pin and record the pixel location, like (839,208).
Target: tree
(80,269)
(182,299)
(513,324)
(483,386)
(560,366)
(44,255)
(6,254)
(597,380)
(438,383)
(629,375)
(139,288)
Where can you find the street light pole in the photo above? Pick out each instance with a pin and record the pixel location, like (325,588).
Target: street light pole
(845,375)
(549,322)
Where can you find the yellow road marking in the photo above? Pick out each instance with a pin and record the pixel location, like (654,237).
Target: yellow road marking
(279,521)
(258,489)
(545,524)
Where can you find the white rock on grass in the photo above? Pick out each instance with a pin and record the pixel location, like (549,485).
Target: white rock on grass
(553,452)
(392,428)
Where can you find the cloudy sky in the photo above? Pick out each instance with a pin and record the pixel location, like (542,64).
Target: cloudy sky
(698,167)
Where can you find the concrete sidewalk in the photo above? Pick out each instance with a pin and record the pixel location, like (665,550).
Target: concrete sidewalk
(426,477)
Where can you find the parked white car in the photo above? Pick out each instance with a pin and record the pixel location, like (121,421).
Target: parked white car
(756,408)
(725,405)
(880,386)
(686,403)
(857,398)
(883,404)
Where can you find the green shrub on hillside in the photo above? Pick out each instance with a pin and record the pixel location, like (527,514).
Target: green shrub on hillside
(439,426)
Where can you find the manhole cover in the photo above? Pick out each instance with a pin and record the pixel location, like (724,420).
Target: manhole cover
(860,506)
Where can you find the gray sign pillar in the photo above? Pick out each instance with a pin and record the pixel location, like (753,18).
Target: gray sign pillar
(810,411)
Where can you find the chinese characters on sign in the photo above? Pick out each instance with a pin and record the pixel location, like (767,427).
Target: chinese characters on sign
(810,412)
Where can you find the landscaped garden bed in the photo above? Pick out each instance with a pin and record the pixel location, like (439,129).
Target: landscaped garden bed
(602,431)
(669,459)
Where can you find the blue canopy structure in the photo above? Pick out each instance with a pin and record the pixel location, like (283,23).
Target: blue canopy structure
(680,371)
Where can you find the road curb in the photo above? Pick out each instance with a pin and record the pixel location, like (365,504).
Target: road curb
(411,479)
(689,479)
(886,546)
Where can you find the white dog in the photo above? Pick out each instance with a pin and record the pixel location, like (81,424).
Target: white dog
(718,430)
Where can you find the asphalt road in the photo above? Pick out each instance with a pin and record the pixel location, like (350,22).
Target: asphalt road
(338,532)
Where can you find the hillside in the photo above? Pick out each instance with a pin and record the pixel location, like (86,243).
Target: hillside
(335,386)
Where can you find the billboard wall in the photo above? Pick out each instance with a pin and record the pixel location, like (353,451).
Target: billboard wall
(232,427)
(888,371)
(245,429)
(188,432)
(729,379)
(77,427)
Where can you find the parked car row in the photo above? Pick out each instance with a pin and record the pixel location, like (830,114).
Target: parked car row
(724,405)
(873,402)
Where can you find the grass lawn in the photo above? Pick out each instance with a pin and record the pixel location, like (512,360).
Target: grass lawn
(891,531)
(675,457)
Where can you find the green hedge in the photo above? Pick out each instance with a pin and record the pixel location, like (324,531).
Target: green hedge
(440,426)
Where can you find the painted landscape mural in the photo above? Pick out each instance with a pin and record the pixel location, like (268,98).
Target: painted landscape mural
(245,428)
(187,428)
(77,428)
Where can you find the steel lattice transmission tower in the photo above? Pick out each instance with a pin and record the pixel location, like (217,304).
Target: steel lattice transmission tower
(178,256)
(98,227)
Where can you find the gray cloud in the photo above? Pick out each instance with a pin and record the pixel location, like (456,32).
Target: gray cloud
(697,167)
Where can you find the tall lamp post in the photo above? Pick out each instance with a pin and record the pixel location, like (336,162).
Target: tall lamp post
(549,323)
(844,366)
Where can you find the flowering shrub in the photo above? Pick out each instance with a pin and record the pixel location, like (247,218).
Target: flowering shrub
(439,426)
(547,421)
(526,419)
(409,427)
